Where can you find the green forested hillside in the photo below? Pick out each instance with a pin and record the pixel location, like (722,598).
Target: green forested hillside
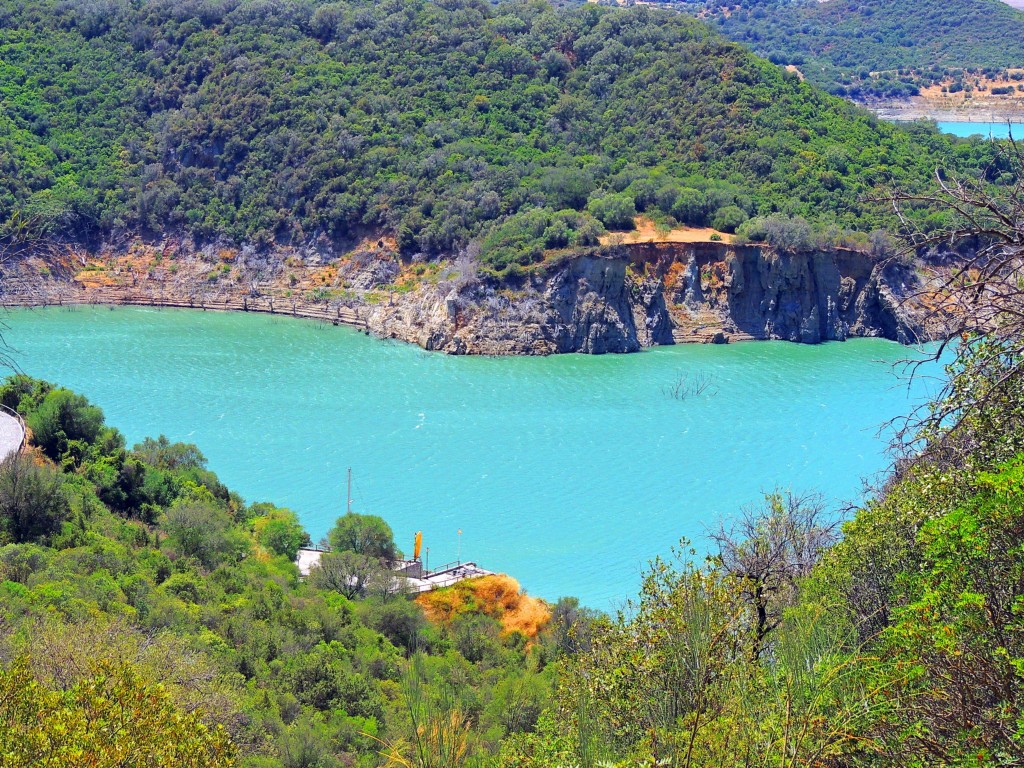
(296,119)
(839,43)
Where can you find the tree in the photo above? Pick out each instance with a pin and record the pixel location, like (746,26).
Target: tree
(769,549)
(164,454)
(690,207)
(571,626)
(23,393)
(350,573)
(728,218)
(279,530)
(977,307)
(614,211)
(32,501)
(61,418)
(199,530)
(367,535)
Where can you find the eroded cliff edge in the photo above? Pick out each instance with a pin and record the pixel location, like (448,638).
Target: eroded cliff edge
(618,298)
(624,298)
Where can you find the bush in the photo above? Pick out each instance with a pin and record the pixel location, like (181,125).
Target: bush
(195,529)
(728,218)
(63,417)
(782,232)
(32,501)
(614,211)
(401,621)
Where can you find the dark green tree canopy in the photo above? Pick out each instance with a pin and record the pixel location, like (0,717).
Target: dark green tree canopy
(365,535)
(873,48)
(306,121)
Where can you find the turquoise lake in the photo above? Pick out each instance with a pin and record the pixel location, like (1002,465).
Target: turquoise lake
(569,472)
(995,130)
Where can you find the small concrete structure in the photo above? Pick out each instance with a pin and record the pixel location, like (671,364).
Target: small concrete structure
(306,559)
(446,577)
(413,578)
(12,432)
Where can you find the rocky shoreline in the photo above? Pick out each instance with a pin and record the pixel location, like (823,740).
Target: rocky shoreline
(950,111)
(619,298)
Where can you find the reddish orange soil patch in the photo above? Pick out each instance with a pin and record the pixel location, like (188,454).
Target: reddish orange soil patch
(647,232)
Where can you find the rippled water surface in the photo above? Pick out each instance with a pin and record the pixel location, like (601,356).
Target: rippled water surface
(994,130)
(569,472)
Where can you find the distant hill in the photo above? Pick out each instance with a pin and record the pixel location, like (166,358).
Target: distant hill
(293,121)
(873,48)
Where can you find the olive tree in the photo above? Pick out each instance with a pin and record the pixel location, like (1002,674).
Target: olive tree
(352,574)
(367,535)
(33,504)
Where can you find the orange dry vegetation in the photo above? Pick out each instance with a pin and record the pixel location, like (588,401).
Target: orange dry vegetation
(674,274)
(498,596)
(325,275)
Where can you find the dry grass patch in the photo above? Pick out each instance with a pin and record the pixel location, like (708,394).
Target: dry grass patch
(498,596)
(648,232)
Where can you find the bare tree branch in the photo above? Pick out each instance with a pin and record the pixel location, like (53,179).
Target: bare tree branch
(977,293)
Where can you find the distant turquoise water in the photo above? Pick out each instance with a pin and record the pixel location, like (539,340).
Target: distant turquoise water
(995,130)
(568,472)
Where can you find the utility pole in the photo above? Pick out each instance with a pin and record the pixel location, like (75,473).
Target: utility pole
(348,494)
(458,551)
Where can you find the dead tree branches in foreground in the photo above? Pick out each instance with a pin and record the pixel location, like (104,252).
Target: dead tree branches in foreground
(981,300)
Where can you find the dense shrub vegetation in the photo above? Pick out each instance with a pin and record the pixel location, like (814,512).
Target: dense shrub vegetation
(865,48)
(899,644)
(148,616)
(523,124)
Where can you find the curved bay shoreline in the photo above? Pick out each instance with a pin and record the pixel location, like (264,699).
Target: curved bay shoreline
(619,298)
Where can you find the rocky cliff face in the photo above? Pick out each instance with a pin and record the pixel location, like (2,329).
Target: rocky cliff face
(626,298)
(589,304)
(756,292)
(612,299)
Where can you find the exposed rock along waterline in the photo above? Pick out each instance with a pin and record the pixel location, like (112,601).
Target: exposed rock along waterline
(612,299)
